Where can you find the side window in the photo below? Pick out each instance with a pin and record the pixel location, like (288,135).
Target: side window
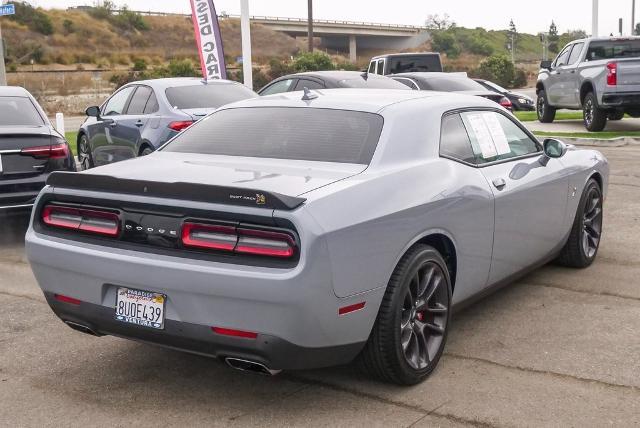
(139,100)
(575,53)
(278,87)
(116,104)
(563,57)
(380,69)
(306,83)
(407,82)
(372,67)
(152,104)
(495,137)
(454,140)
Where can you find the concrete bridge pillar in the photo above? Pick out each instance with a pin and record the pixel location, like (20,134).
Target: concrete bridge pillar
(353,54)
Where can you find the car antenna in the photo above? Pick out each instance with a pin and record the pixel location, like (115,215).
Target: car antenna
(308,95)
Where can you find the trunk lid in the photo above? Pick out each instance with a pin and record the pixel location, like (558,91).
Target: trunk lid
(13,163)
(628,71)
(285,177)
(197,113)
(493,96)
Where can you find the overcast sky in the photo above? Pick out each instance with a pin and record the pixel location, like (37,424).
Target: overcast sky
(530,17)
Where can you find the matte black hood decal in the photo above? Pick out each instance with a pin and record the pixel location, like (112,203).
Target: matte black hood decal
(184,191)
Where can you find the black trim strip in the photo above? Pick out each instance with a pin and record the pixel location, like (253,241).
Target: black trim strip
(184,191)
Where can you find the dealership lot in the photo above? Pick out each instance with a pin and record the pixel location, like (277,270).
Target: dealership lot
(559,347)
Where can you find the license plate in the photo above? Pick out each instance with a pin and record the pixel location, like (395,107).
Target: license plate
(144,308)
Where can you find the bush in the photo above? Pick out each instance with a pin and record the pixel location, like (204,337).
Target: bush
(445,41)
(278,68)
(479,47)
(520,80)
(312,61)
(139,64)
(33,18)
(68,27)
(260,79)
(498,69)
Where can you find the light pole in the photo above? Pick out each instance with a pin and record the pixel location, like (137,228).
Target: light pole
(594,19)
(245,35)
(310,24)
(3,71)
(633,17)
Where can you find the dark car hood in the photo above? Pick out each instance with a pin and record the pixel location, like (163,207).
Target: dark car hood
(287,177)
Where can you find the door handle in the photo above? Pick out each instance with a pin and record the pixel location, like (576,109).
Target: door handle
(499,183)
(139,123)
(113,124)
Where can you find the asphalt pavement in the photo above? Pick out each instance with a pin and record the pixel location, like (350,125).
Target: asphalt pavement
(558,348)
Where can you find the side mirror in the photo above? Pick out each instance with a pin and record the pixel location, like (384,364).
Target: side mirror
(545,65)
(93,111)
(553,149)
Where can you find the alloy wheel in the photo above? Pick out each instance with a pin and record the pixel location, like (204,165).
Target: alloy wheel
(424,315)
(541,107)
(588,112)
(592,223)
(84,155)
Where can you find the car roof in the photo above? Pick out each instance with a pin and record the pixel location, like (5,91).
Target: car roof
(431,75)
(172,82)
(366,100)
(404,54)
(14,91)
(333,75)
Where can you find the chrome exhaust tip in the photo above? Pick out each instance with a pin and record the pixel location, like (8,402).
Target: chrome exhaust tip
(81,328)
(250,366)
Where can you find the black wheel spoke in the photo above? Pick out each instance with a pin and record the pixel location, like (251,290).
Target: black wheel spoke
(439,308)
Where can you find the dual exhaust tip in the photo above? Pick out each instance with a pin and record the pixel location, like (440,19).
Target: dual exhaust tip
(250,366)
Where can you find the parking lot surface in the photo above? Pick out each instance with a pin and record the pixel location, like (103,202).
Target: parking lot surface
(560,347)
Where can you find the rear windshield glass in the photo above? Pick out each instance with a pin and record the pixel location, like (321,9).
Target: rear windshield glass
(18,111)
(372,82)
(284,133)
(407,64)
(207,96)
(454,84)
(613,49)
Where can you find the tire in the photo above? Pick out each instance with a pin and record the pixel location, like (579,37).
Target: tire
(546,113)
(616,115)
(85,157)
(595,119)
(146,150)
(584,240)
(406,343)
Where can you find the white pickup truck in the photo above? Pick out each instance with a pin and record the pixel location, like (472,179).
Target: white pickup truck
(600,76)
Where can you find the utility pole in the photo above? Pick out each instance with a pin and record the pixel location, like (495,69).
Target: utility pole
(3,71)
(633,17)
(594,19)
(310,24)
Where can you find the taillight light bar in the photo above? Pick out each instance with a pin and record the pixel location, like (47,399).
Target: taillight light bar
(86,220)
(181,125)
(239,240)
(54,151)
(612,73)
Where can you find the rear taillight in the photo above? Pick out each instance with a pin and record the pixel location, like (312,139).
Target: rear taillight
(86,220)
(612,73)
(54,151)
(180,125)
(238,240)
(506,103)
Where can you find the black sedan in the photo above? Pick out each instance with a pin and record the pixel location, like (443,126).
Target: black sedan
(449,82)
(329,80)
(30,149)
(519,101)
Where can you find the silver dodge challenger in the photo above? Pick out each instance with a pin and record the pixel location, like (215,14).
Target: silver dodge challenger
(314,228)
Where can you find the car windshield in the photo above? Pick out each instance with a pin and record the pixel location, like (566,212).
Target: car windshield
(495,86)
(452,84)
(284,133)
(19,111)
(207,96)
(372,82)
(609,49)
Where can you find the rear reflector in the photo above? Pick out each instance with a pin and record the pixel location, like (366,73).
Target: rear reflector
(55,151)
(86,220)
(239,240)
(351,308)
(180,125)
(234,333)
(67,299)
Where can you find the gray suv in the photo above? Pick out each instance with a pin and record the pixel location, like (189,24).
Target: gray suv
(600,76)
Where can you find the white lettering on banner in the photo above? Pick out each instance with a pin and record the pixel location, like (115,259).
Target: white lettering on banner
(207,33)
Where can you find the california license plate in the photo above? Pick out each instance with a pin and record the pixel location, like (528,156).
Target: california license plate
(144,308)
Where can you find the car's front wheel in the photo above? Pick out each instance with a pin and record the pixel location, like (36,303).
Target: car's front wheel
(546,113)
(410,332)
(84,153)
(583,243)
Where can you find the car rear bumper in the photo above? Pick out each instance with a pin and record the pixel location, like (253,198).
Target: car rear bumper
(273,352)
(293,311)
(20,193)
(621,99)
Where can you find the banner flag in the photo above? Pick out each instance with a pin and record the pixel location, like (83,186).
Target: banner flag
(207,31)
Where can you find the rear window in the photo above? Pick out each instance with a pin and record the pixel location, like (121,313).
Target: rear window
(284,133)
(610,49)
(19,111)
(207,96)
(453,84)
(407,64)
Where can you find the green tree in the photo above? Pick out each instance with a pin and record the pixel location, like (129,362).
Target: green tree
(313,61)
(553,37)
(436,22)
(32,17)
(497,68)
(445,41)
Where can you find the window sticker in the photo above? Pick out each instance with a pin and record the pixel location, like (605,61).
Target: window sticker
(497,133)
(483,135)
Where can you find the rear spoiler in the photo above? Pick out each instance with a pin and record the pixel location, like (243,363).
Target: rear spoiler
(183,191)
